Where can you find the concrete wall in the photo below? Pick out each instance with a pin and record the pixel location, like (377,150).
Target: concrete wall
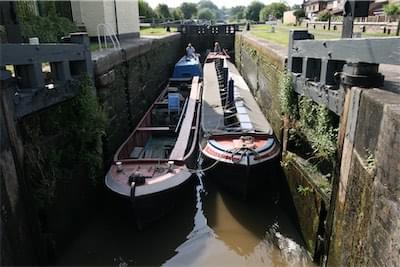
(92,13)
(89,14)
(128,16)
(368,203)
(289,18)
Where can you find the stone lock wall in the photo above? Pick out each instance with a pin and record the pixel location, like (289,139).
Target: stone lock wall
(129,80)
(363,219)
(262,65)
(366,230)
(48,188)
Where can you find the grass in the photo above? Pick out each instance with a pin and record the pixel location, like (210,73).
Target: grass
(94,46)
(281,34)
(158,31)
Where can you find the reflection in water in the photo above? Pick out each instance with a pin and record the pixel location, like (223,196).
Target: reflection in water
(231,232)
(207,228)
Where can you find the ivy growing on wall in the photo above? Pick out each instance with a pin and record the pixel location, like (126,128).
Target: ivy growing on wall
(49,28)
(64,143)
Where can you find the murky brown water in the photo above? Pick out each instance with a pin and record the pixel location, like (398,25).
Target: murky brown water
(209,227)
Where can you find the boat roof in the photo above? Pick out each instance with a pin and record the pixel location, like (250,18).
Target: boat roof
(187,61)
(187,67)
(212,111)
(249,114)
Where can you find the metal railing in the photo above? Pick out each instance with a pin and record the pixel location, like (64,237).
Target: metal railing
(105,32)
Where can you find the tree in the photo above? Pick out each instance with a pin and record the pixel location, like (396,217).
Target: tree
(299,13)
(275,9)
(177,14)
(188,10)
(324,15)
(237,12)
(145,10)
(163,11)
(252,11)
(392,10)
(207,4)
(206,14)
(295,7)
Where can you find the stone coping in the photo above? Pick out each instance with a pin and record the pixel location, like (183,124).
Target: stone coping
(107,59)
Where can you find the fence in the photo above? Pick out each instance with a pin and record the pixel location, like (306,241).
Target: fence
(40,75)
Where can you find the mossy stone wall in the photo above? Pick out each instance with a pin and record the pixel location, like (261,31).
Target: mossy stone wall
(262,66)
(366,229)
(136,80)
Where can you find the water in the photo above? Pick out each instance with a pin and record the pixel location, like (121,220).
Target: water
(209,227)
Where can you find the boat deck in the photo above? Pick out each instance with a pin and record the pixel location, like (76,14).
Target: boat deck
(157,147)
(246,110)
(212,112)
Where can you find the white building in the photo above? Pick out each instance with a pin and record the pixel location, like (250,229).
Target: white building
(122,16)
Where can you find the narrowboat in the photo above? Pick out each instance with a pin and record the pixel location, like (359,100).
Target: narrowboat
(156,159)
(235,134)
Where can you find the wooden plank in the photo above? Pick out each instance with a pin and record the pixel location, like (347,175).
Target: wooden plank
(178,153)
(384,50)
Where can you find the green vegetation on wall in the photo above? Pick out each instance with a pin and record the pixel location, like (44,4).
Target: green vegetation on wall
(49,28)
(63,142)
(313,128)
(287,96)
(315,122)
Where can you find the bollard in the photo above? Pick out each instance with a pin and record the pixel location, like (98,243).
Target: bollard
(230,91)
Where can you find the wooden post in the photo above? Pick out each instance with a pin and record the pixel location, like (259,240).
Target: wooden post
(329,23)
(348,19)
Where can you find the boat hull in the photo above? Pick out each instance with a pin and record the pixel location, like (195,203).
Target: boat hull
(154,163)
(241,180)
(152,207)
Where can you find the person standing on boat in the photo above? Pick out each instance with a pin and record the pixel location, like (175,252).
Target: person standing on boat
(217,48)
(190,51)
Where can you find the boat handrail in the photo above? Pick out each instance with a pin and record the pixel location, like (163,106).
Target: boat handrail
(178,125)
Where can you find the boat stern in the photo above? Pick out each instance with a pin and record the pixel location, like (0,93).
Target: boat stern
(148,179)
